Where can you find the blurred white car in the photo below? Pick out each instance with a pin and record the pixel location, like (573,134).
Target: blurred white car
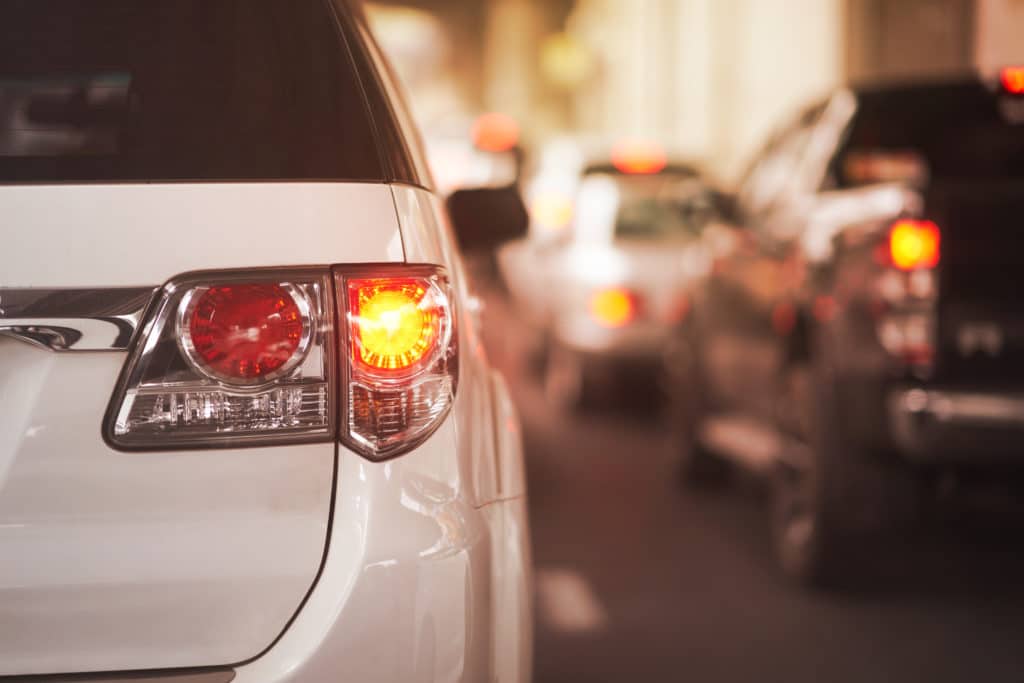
(247,431)
(607,291)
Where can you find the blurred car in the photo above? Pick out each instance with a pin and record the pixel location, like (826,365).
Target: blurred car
(860,339)
(246,432)
(608,290)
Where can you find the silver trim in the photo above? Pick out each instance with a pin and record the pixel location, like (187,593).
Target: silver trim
(98,319)
(218,676)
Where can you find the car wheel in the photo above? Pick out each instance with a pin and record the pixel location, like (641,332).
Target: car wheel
(564,378)
(830,498)
(684,394)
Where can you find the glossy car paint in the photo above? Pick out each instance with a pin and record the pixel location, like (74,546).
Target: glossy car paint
(195,558)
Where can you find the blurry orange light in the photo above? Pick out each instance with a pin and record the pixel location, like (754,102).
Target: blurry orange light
(914,244)
(395,323)
(613,307)
(495,132)
(1012,79)
(639,157)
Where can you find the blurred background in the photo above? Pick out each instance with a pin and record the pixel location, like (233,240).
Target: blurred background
(633,129)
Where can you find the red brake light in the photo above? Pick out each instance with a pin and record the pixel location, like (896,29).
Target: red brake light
(495,132)
(914,244)
(1012,80)
(246,333)
(639,158)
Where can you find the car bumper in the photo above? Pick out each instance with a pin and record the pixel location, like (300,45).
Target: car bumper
(957,427)
(418,586)
(634,341)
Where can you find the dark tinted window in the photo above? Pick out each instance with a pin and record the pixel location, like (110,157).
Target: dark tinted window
(949,132)
(179,90)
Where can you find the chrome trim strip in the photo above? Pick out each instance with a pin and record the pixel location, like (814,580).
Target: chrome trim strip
(74,319)
(196,676)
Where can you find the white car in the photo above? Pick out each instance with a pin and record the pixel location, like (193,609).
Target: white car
(609,289)
(248,432)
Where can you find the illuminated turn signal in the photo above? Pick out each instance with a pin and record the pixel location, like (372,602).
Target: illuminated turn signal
(613,307)
(914,244)
(396,323)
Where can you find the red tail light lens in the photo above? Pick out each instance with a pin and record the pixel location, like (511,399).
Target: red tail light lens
(1012,80)
(639,157)
(246,333)
(914,244)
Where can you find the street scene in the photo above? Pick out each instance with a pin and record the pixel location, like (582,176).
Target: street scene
(498,341)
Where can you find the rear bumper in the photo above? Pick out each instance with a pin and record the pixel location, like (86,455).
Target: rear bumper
(956,426)
(638,341)
(418,585)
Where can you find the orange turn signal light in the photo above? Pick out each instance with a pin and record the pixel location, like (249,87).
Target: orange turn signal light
(613,307)
(914,244)
(396,322)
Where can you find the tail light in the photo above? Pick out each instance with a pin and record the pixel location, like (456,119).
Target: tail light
(262,357)
(401,363)
(907,294)
(614,307)
(914,244)
(1011,79)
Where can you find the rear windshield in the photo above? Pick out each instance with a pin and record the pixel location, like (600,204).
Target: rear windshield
(938,133)
(660,208)
(129,90)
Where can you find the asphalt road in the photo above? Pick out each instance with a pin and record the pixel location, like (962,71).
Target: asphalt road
(639,579)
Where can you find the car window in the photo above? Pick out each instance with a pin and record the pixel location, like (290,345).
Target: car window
(939,133)
(777,171)
(179,90)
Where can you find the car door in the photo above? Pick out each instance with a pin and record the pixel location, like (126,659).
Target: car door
(751,297)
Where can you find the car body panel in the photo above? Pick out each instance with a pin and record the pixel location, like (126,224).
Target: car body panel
(141,560)
(144,234)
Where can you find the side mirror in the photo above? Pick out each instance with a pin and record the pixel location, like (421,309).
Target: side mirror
(485,217)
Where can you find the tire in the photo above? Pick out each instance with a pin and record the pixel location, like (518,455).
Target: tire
(684,393)
(567,386)
(830,500)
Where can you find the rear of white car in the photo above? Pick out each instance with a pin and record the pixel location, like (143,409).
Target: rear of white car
(247,429)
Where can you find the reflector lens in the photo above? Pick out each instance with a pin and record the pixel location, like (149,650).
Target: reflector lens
(914,244)
(1012,79)
(246,333)
(395,323)
(613,307)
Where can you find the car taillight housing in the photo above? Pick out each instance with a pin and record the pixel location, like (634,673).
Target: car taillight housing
(365,355)
(400,364)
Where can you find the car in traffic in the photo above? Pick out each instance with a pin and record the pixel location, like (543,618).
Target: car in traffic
(611,287)
(247,432)
(858,339)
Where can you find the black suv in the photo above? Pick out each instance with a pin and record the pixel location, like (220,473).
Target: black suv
(860,337)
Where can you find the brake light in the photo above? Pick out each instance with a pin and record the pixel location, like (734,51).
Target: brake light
(1012,80)
(914,244)
(613,307)
(249,358)
(637,157)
